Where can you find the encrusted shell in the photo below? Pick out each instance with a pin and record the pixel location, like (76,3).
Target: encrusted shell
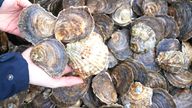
(50,55)
(138,96)
(173,61)
(36,24)
(68,3)
(162,99)
(73,24)
(88,56)
(3,42)
(103,88)
(187,50)
(119,44)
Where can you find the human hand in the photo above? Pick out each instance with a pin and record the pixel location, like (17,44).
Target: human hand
(38,77)
(9,15)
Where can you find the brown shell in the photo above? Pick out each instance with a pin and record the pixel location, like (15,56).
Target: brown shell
(68,3)
(103,88)
(73,24)
(50,55)
(103,25)
(162,99)
(182,80)
(3,42)
(122,76)
(138,96)
(156,80)
(173,61)
(36,24)
(67,96)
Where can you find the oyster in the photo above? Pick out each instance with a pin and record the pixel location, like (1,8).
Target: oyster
(73,24)
(173,61)
(36,24)
(122,76)
(103,25)
(112,61)
(75,3)
(68,96)
(88,56)
(156,80)
(118,44)
(50,55)
(182,80)
(103,88)
(187,50)
(162,99)
(136,6)
(138,96)
(112,106)
(168,45)
(3,42)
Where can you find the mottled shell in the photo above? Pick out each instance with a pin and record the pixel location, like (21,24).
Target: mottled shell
(168,45)
(3,42)
(173,61)
(50,55)
(102,6)
(162,99)
(187,50)
(36,24)
(123,15)
(119,44)
(112,61)
(148,60)
(156,80)
(182,80)
(73,24)
(138,96)
(122,76)
(68,96)
(103,25)
(103,88)
(68,3)
(88,56)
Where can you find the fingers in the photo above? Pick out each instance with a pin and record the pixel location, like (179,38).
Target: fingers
(67,69)
(67,81)
(24,3)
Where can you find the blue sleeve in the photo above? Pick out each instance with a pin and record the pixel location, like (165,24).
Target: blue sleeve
(14,74)
(1,2)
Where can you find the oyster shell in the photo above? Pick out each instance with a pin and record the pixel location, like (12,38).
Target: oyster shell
(138,96)
(136,6)
(162,99)
(50,55)
(182,80)
(118,44)
(75,3)
(103,25)
(187,50)
(122,76)
(73,24)
(88,56)
(103,88)
(168,45)
(173,61)
(68,96)
(112,106)
(3,42)
(35,23)
(112,61)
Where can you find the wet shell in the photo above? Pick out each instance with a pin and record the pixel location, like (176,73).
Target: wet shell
(122,76)
(123,15)
(103,25)
(50,55)
(75,3)
(68,96)
(181,80)
(173,61)
(138,96)
(73,24)
(112,61)
(103,88)
(102,6)
(3,42)
(118,44)
(168,45)
(88,56)
(36,24)
(162,99)
(156,80)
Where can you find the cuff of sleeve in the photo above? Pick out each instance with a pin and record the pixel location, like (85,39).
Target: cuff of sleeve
(14,74)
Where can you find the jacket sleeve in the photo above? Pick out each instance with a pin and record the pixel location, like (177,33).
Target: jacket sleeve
(1,2)
(14,74)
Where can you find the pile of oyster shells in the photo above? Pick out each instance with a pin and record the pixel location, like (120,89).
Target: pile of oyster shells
(130,53)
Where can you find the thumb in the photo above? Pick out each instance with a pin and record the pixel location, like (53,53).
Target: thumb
(24,3)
